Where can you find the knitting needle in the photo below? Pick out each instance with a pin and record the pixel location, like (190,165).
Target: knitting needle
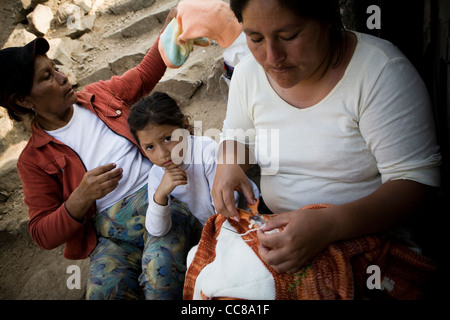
(230,229)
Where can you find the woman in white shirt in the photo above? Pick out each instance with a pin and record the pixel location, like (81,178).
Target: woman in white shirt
(352,124)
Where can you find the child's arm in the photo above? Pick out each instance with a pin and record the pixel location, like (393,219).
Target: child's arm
(158,220)
(173,177)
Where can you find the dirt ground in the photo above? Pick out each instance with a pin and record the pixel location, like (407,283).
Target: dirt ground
(26,271)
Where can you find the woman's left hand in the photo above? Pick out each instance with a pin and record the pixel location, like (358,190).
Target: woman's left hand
(305,234)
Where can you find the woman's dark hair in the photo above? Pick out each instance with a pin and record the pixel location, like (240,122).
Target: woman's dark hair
(326,11)
(157,109)
(18,86)
(17,73)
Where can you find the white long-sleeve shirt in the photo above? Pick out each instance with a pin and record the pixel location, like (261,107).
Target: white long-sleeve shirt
(375,125)
(200,163)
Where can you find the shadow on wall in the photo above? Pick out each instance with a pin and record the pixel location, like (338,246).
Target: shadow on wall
(420,28)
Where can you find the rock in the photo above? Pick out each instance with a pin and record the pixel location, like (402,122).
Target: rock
(200,69)
(123,6)
(9,178)
(27,4)
(135,27)
(74,17)
(125,63)
(40,19)
(3,197)
(61,51)
(79,27)
(180,89)
(19,37)
(85,5)
(103,73)
(66,12)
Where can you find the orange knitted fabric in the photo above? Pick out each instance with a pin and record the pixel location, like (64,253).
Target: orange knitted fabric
(338,272)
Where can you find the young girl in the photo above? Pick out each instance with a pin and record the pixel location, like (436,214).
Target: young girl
(184,164)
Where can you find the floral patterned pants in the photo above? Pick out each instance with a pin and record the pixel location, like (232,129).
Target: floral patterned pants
(129,263)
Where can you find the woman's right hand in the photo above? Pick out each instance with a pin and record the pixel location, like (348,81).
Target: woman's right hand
(230,178)
(95,184)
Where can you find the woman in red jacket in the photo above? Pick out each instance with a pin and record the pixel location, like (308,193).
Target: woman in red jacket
(84,176)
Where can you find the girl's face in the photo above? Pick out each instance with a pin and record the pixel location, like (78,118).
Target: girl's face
(158,142)
(289,48)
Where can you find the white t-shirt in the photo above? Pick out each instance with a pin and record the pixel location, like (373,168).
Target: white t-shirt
(375,125)
(97,151)
(200,164)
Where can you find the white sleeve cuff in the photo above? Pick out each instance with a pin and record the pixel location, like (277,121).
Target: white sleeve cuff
(158,220)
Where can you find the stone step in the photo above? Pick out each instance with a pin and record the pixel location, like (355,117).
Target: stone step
(183,83)
(123,45)
(123,6)
(149,19)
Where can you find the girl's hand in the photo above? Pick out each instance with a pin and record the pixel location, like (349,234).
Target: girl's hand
(305,234)
(172,178)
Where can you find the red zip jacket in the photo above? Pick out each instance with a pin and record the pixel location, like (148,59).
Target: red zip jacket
(50,171)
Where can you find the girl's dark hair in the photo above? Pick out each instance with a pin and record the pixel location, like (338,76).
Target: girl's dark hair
(326,11)
(157,109)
